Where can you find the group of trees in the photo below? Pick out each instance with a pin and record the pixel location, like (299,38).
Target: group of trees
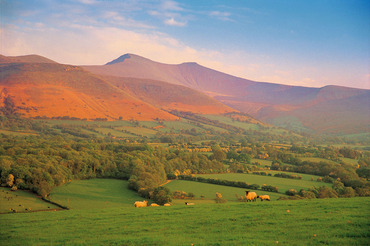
(41,163)
(338,190)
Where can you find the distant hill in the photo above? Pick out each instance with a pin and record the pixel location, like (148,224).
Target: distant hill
(332,109)
(25,59)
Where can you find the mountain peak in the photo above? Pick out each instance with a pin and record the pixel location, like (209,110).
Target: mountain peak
(189,63)
(119,59)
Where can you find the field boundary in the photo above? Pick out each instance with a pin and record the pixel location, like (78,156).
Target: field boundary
(54,203)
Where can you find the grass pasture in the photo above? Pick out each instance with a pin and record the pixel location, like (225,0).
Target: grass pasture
(95,194)
(140,131)
(283,184)
(209,191)
(304,222)
(306,177)
(229,121)
(21,200)
(262,162)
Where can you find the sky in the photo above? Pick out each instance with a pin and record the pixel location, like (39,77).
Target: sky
(296,42)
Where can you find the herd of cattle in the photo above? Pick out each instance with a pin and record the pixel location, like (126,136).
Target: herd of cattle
(249,196)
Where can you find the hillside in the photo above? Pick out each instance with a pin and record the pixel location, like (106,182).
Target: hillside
(55,90)
(25,59)
(169,96)
(40,87)
(300,108)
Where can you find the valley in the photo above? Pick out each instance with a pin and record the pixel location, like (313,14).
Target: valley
(80,145)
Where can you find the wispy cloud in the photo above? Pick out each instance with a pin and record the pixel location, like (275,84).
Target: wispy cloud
(171,5)
(88,1)
(225,16)
(117,19)
(170,13)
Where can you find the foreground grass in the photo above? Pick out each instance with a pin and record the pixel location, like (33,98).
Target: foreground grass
(303,222)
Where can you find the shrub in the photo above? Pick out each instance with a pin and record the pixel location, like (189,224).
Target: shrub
(348,192)
(291,192)
(326,192)
(162,195)
(219,198)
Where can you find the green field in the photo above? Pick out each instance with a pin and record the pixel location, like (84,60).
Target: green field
(101,213)
(21,200)
(283,184)
(316,159)
(349,161)
(95,194)
(229,121)
(209,191)
(16,133)
(140,131)
(308,222)
(306,177)
(262,162)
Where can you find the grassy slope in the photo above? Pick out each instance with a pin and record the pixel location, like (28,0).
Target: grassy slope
(95,194)
(21,200)
(308,222)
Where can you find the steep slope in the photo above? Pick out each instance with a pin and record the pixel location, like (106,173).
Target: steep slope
(273,103)
(55,90)
(169,96)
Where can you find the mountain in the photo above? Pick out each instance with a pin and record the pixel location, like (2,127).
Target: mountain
(332,109)
(169,96)
(25,59)
(55,90)
(41,87)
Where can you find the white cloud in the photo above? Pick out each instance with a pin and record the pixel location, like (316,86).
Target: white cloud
(173,22)
(171,5)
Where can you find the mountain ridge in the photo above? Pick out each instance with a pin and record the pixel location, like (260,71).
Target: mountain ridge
(40,88)
(263,100)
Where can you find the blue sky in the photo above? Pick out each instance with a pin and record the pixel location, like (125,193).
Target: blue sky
(297,42)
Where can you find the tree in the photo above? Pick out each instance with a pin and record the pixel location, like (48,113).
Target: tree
(219,155)
(348,192)
(232,155)
(244,158)
(338,186)
(162,195)
(10,180)
(363,172)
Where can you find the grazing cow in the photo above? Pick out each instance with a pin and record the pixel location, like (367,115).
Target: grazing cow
(167,204)
(250,196)
(189,203)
